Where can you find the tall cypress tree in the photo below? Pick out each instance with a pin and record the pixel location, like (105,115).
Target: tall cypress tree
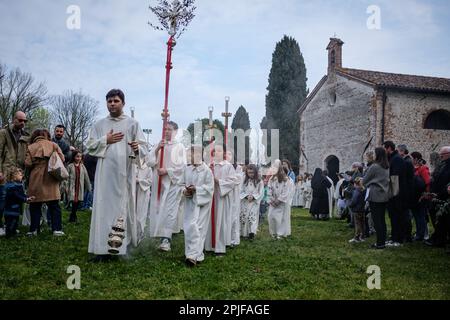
(241,121)
(286,92)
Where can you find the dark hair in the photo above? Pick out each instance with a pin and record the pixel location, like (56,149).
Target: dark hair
(74,154)
(40,133)
(416,155)
(256,179)
(325,172)
(381,157)
(288,163)
(389,144)
(116,93)
(173,124)
(60,126)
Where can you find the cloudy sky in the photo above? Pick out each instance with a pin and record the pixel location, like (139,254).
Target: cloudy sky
(226,51)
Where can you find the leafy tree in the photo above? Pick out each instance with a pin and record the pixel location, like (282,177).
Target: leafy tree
(39,118)
(204,134)
(286,92)
(241,121)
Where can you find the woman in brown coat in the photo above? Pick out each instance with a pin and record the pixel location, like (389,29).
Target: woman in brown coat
(42,186)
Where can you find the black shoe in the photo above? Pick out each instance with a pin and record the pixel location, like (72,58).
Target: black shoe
(190,262)
(251,236)
(375,246)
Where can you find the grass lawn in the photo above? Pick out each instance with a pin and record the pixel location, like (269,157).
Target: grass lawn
(316,262)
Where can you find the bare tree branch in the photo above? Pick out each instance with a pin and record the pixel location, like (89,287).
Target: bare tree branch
(19,91)
(76,112)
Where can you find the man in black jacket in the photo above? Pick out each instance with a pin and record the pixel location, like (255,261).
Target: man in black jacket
(409,191)
(439,183)
(397,209)
(59,140)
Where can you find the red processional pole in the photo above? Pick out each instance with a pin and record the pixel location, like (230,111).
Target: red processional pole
(165,113)
(211,160)
(173,17)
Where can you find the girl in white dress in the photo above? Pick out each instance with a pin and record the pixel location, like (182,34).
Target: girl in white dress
(252,191)
(281,192)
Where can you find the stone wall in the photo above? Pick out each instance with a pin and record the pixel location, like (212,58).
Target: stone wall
(405,117)
(340,128)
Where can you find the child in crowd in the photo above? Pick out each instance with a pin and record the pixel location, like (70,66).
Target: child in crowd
(198,193)
(252,191)
(78,183)
(357,205)
(281,189)
(15,196)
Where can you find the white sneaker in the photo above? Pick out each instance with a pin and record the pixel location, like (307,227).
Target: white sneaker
(354,240)
(393,244)
(18,231)
(32,234)
(58,233)
(2,232)
(165,245)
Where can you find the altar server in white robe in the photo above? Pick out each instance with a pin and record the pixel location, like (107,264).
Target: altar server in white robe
(330,191)
(307,191)
(164,214)
(252,191)
(281,192)
(143,190)
(198,193)
(235,236)
(219,230)
(118,142)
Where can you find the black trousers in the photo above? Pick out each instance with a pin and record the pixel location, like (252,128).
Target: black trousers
(53,210)
(400,220)
(11,223)
(378,210)
(73,213)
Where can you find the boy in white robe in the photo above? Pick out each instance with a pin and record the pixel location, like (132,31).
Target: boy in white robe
(118,142)
(252,191)
(281,192)
(235,236)
(219,228)
(197,195)
(164,213)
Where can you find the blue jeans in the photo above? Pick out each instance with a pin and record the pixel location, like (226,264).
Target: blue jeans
(54,211)
(419,213)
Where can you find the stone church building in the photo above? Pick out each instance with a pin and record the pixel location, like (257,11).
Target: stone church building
(351,111)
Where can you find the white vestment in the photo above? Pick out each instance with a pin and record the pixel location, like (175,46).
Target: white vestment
(298,200)
(115,181)
(337,196)
(330,196)
(164,214)
(279,217)
(223,205)
(249,215)
(307,194)
(197,210)
(235,211)
(143,189)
